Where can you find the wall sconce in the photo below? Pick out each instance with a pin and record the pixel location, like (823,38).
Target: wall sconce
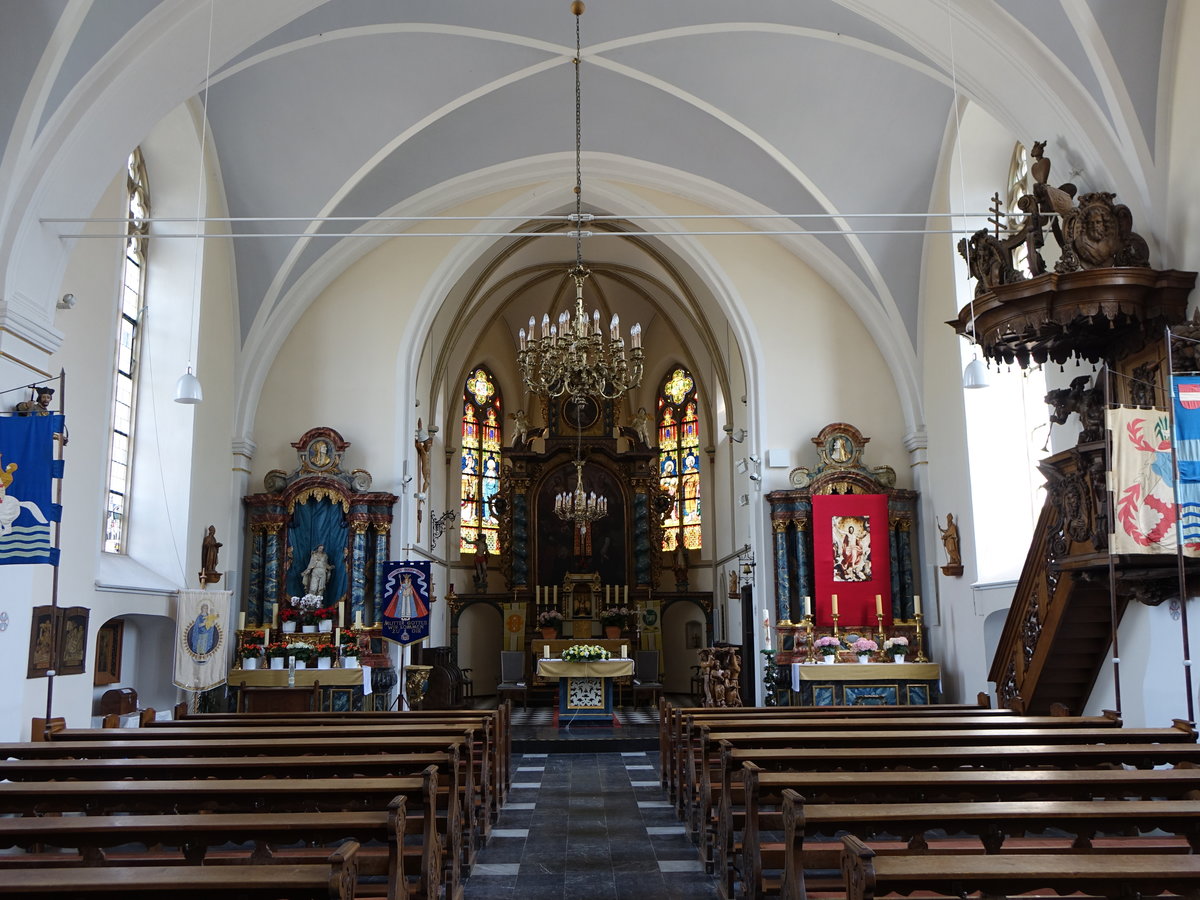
(441,524)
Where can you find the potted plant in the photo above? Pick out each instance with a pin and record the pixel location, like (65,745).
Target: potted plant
(305,608)
(325,617)
(277,653)
(325,654)
(248,653)
(549,621)
(614,619)
(290,617)
(350,652)
(827,647)
(896,647)
(864,647)
(302,653)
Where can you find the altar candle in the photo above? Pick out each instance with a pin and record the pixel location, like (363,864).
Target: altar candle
(275,616)
(545,651)
(626,603)
(624,651)
(878,605)
(766,629)
(266,636)
(242,621)
(833,601)
(337,637)
(917,604)
(556,595)
(807,605)
(607,594)
(358,619)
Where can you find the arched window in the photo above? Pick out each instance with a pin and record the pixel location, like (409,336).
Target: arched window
(679,458)
(129,339)
(482,415)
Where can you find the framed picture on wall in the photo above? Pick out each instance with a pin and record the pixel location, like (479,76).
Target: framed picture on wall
(108,652)
(41,641)
(72,637)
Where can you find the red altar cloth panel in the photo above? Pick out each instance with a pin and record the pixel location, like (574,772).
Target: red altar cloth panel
(852,558)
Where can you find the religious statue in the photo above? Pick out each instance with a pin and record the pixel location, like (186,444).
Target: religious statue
(38,407)
(950,542)
(641,425)
(679,563)
(520,427)
(208,557)
(423,442)
(481,561)
(315,576)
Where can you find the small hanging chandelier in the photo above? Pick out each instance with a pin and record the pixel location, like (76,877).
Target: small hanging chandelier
(573,358)
(579,506)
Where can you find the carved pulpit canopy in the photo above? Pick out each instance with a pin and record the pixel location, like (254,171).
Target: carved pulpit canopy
(1101,302)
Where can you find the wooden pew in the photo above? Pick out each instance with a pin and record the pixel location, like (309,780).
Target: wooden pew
(336,878)
(195,835)
(867,875)
(766,790)
(991,822)
(440,845)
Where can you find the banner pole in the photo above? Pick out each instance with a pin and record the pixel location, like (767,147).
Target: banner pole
(55,655)
(1112,526)
(1183,616)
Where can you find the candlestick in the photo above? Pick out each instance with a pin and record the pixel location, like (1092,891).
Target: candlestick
(921,639)
(808,642)
(835,624)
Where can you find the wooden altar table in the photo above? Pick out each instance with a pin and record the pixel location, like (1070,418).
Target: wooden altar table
(585,689)
(866,684)
(341,689)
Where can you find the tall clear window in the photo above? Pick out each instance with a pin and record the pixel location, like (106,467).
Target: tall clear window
(482,417)
(129,328)
(679,458)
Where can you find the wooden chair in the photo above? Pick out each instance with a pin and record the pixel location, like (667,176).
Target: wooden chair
(645,679)
(513,679)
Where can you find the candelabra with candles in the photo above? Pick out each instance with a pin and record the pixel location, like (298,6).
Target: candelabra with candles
(579,506)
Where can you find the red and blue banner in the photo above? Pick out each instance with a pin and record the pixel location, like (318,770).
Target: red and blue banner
(1186,399)
(27,472)
(852,556)
(407,588)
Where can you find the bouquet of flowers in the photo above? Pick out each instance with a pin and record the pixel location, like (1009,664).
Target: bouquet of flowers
(864,645)
(550,618)
(350,648)
(325,613)
(585,653)
(276,650)
(326,650)
(289,614)
(250,650)
(828,645)
(896,646)
(616,615)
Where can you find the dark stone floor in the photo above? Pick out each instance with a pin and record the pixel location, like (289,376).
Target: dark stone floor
(588,826)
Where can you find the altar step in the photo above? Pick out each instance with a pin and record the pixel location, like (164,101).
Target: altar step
(534,731)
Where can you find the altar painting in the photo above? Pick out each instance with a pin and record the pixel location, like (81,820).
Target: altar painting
(852,559)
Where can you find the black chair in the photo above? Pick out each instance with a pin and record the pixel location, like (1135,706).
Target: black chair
(513,679)
(645,676)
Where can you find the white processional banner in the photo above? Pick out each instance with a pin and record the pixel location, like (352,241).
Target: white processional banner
(1141,481)
(204,638)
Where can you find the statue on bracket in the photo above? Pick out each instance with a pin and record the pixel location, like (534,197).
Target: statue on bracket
(209,550)
(950,541)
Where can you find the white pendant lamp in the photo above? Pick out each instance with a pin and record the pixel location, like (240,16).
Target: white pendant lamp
(975,375)
(187,388)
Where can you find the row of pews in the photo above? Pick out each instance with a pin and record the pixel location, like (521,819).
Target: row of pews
(948,801)
(254,805)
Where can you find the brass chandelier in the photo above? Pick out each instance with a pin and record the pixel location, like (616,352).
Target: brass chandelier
(579,506)
(573,358)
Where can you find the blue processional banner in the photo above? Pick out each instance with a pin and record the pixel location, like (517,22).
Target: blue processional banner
(407,587)
(1186,399)
(27,472)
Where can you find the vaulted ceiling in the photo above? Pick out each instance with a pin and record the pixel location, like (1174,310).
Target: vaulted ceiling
(361,108)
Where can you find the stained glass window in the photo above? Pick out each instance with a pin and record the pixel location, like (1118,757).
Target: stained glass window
(482,415)
(679,459)
(129,332)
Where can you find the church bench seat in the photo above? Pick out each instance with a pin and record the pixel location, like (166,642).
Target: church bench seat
(433,823)
(867,875)
(990,823)
(750,809)
(336,878)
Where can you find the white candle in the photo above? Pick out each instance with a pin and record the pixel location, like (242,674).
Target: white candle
(242,621)
(275,615)
(833,600)
(878,605)
(337,637)
(545,651)
(807,605)
(917,604)
(766,629)
(358,619)
(624,651)
(266,636)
